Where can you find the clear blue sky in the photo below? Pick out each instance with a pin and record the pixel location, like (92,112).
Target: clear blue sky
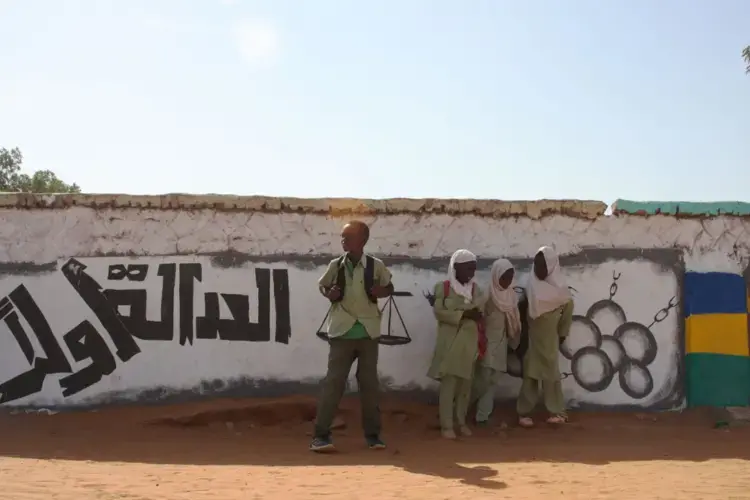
(524,99)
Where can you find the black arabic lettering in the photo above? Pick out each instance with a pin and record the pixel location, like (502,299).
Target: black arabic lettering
(93,295)
(239,328)
(84,342)
(189,273)
(53,361)
(133,272)
(282,307)
(135,300)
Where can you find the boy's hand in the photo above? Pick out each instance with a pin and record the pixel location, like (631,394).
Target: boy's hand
(380,292)
(333,293)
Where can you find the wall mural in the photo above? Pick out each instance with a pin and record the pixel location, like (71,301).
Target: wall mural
(122,314)
(626,352)
(102,329)
(595,357)
(606,345)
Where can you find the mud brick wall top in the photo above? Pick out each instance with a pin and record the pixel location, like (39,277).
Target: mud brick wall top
(534,209)
(332,206)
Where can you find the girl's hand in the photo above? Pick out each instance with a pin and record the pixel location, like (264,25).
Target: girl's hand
(473,314)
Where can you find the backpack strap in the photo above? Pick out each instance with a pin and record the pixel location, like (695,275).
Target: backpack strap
(481,330)
(370,277)
(341,277)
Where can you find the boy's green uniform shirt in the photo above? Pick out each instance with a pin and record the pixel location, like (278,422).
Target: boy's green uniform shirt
(355,316)
(357,331)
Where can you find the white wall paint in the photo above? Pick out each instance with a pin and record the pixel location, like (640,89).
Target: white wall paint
(44,236)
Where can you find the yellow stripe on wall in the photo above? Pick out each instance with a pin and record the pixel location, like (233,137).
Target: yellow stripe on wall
(717,334)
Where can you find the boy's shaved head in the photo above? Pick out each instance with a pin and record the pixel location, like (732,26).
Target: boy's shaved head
(354,236)
(363,228)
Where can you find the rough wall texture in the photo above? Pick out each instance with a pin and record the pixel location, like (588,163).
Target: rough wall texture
(116,298)
(224,203)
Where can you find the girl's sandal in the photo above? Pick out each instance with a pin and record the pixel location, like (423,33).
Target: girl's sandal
(526,422)
(557,419)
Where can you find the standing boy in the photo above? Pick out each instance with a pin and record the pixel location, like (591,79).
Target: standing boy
(353,283)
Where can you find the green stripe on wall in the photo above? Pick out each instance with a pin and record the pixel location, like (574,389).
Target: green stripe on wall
(683,207)
(717,380)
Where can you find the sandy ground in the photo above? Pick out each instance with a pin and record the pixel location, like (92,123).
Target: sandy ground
(228,450)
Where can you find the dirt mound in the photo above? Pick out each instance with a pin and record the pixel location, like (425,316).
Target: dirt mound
(283,412)
(259,413)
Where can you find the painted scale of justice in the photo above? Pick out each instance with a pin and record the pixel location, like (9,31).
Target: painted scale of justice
(389,338)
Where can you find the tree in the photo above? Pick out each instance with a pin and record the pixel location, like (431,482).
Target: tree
(42,181)
(746,57)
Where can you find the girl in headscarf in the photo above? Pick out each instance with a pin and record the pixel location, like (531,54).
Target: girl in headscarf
(550,316)
(502,323)
(458,308)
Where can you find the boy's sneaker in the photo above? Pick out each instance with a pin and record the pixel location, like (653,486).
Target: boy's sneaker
(322,445)
(375,443)
(448,433)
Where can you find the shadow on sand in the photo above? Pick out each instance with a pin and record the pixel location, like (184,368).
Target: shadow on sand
(276,433)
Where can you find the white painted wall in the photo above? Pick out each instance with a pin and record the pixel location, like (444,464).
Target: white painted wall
(45,236)
(41,236)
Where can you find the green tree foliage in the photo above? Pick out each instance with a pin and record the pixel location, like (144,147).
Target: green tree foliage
(746,57)
(42,181)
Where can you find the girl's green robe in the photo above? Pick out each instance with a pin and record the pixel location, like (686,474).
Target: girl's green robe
(456,346)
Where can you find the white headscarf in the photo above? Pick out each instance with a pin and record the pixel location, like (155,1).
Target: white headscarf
(460,257)
(548,295)
(505,299)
